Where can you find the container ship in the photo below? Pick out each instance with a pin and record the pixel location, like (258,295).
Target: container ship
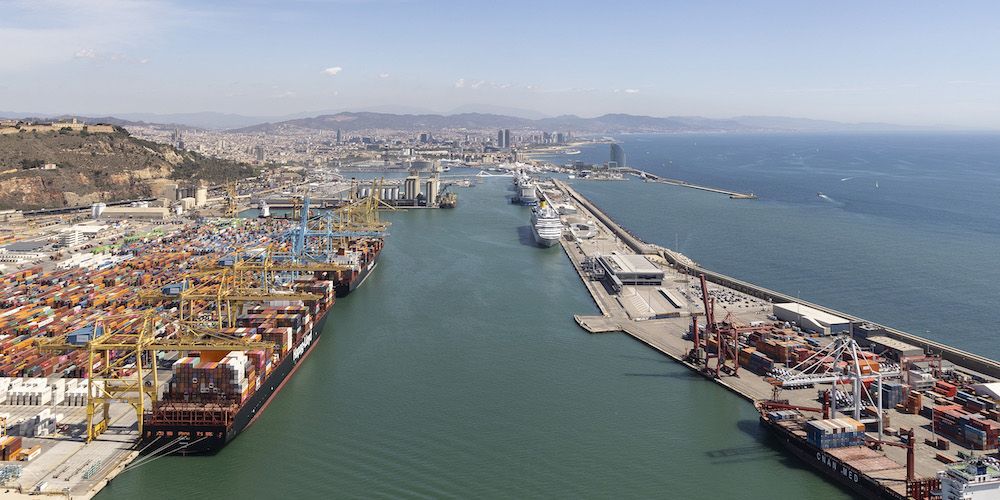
(212,397)
(836,448)
(361,257)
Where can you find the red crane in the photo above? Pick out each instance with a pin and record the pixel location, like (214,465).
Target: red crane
(727,342)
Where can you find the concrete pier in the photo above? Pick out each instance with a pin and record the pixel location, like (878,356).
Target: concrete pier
(742,302)
(677,182)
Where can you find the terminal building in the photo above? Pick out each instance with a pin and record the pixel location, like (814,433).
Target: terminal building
(812,319)
(630,270)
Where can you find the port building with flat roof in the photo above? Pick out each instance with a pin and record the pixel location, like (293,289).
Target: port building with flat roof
(812,319)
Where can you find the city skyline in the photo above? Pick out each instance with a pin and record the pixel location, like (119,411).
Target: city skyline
(906,63)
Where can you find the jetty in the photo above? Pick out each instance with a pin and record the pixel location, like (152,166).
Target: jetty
(648,177)
(654,295)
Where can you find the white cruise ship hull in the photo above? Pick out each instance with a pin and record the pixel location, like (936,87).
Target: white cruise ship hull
(543,241)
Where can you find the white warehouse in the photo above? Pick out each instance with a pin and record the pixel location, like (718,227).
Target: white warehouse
(811,319)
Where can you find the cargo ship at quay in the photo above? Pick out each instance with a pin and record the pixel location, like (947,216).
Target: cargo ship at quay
(880,412)
(210,399)
(165,337)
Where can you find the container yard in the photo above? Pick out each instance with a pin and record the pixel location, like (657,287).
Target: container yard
(883,413)
(144,339)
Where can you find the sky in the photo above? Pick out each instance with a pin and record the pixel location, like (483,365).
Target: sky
(904,62)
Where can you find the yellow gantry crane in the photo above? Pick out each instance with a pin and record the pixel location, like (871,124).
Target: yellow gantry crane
(232,200)
(318,238)
(121,362)
(214,295)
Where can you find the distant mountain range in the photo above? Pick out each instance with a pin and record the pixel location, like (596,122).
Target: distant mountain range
(606,124)
(499,117)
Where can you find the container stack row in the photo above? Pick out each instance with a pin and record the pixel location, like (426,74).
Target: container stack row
(966,428)
(835,432)
(36,305)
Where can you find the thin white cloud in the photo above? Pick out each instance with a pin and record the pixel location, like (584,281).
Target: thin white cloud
(86,54)
(971,83)
(333,71)
(631,91)
(39,33)
(830,90)
(462,83)
(94,56)
(384,75)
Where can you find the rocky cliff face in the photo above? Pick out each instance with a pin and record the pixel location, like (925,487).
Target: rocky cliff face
(95,167)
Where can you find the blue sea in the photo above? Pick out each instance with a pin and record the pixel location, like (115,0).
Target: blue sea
(902,229)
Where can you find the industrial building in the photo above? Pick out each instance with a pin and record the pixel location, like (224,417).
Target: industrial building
(630,270)
(71,238)
(411,186)
(147,213)
(894,349)
(431,190)
(812,319)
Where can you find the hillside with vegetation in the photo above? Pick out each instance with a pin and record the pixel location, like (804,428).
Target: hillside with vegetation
(67,168)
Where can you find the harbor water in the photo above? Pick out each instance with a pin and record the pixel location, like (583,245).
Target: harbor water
(457,371)
(902,229)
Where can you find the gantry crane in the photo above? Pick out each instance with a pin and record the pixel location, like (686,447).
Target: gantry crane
(232,200)
(213,295)
(316,238)
(121,362)
(726,336)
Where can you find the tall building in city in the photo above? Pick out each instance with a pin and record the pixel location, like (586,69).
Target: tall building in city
(500,139)
(506,138)
(617,156)
(258,153)
(338,136)
(560,138)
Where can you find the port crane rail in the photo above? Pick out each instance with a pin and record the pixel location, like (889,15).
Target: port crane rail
(122,352)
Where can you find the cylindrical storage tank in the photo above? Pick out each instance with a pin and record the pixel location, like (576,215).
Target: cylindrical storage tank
(201,196)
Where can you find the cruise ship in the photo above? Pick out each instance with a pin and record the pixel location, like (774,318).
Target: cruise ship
(546,226)
(527,192)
